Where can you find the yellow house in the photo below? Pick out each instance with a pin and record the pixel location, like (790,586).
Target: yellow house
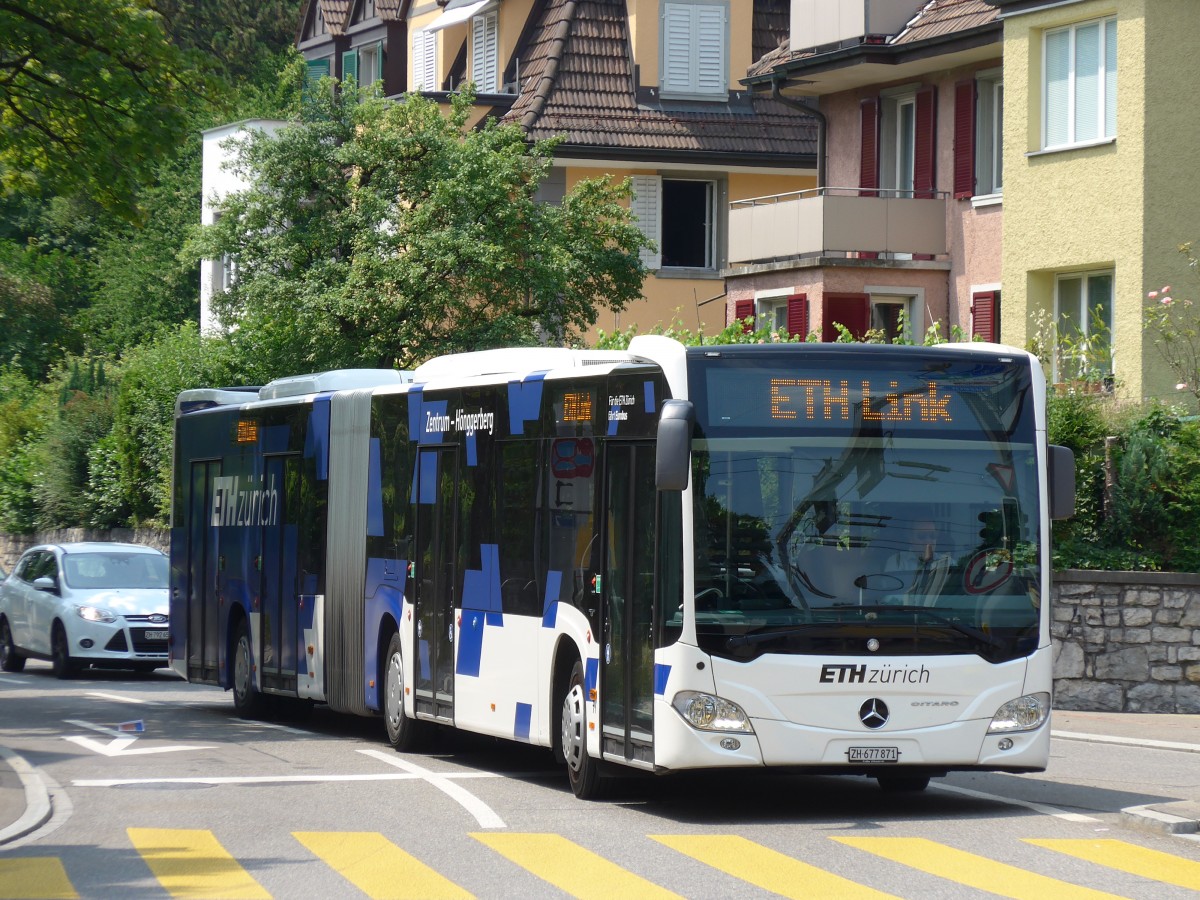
(641,89)
(1100,184)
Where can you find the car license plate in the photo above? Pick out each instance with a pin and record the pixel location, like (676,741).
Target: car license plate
(873,754)
(157,635)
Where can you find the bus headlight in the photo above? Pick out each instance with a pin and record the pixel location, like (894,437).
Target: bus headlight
(1023,714)
(709,712)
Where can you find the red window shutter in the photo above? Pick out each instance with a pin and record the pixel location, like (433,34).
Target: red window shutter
(964,139)
(742,310)
(923,152)
(851,310)
(985,319)
(868,178)
(797,315)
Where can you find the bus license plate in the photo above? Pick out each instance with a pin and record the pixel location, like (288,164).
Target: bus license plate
(873,754)
(157,635)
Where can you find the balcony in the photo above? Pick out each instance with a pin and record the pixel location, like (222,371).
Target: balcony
(835,222)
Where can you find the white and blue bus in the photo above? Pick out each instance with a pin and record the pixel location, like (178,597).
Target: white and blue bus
(827,557)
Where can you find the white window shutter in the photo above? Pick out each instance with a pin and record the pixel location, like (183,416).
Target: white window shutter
(647,209)
(677,47)
(424,56)
(484,52)
(710,50)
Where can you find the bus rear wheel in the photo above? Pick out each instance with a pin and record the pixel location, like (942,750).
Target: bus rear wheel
(248,702)
(582,771)
(403,733)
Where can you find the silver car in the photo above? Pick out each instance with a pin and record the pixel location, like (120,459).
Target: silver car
(85,604)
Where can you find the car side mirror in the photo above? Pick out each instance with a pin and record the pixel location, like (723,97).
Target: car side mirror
(673,462)
(46,583)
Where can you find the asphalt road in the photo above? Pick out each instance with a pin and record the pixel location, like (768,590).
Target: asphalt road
(200,803)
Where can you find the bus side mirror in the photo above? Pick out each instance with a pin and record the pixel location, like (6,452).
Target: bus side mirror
(673,462)
(1061,482)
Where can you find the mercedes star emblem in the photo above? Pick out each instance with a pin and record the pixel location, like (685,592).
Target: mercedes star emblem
(873,713)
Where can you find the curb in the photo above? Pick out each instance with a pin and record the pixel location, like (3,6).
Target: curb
(37,798)
(1147,818)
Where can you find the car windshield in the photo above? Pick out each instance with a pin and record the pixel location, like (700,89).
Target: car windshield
(115,570)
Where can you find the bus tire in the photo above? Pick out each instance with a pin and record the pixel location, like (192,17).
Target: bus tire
(247,701)
(902,784)
(403,733)
(582,771)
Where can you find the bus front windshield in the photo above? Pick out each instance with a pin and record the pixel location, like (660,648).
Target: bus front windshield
(814,537)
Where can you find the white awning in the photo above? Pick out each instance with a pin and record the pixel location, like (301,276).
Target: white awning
(459,11)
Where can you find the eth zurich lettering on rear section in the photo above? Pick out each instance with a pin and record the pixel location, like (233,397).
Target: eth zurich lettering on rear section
(235,503)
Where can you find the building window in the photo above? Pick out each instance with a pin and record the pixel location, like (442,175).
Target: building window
(370,64)
(985,316)
(989,135)
(1079,85)
(485,52)
(904,135)
(891,317)
(785,314)
(424,61)
(1083,303)
(680,216)
(695,41)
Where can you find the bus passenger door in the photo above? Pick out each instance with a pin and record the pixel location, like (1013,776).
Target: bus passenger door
(202,586)
(435,560)
(627,655)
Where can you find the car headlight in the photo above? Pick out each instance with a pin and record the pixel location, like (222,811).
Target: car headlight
(96,614)
(709,712)
(1023,714)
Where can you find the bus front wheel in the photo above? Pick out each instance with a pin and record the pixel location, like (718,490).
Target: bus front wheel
(403,733)
(582,770)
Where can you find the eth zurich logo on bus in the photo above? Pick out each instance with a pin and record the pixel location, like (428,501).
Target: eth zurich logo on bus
(873,713)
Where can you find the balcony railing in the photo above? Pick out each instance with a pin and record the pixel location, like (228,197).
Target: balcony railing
(835,222)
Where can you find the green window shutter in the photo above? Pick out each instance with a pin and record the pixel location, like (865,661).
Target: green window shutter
(350,65)
(317,69)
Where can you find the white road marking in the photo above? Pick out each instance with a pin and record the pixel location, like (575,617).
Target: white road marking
(481,811)
(266,779)
(121,743)
(1027,804)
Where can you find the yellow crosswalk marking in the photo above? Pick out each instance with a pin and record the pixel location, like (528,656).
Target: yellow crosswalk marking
(1135,860)
(192,863)
(379,868)
(35,878)
(766,868)
(571,868)
(967,868)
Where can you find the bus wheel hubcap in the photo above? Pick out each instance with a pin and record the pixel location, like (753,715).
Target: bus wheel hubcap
(573,727)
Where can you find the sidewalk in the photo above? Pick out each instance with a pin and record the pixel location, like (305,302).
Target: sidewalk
(25,801)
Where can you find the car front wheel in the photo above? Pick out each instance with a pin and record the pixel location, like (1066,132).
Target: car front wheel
(248,702)
(60,653)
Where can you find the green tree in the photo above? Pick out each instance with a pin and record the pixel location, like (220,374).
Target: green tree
(92,93)
(381,233)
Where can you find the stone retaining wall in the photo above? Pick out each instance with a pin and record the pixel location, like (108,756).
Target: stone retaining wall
(13,545)
(1126,641)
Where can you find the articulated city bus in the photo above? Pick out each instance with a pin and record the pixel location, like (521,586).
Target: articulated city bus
(828,557)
